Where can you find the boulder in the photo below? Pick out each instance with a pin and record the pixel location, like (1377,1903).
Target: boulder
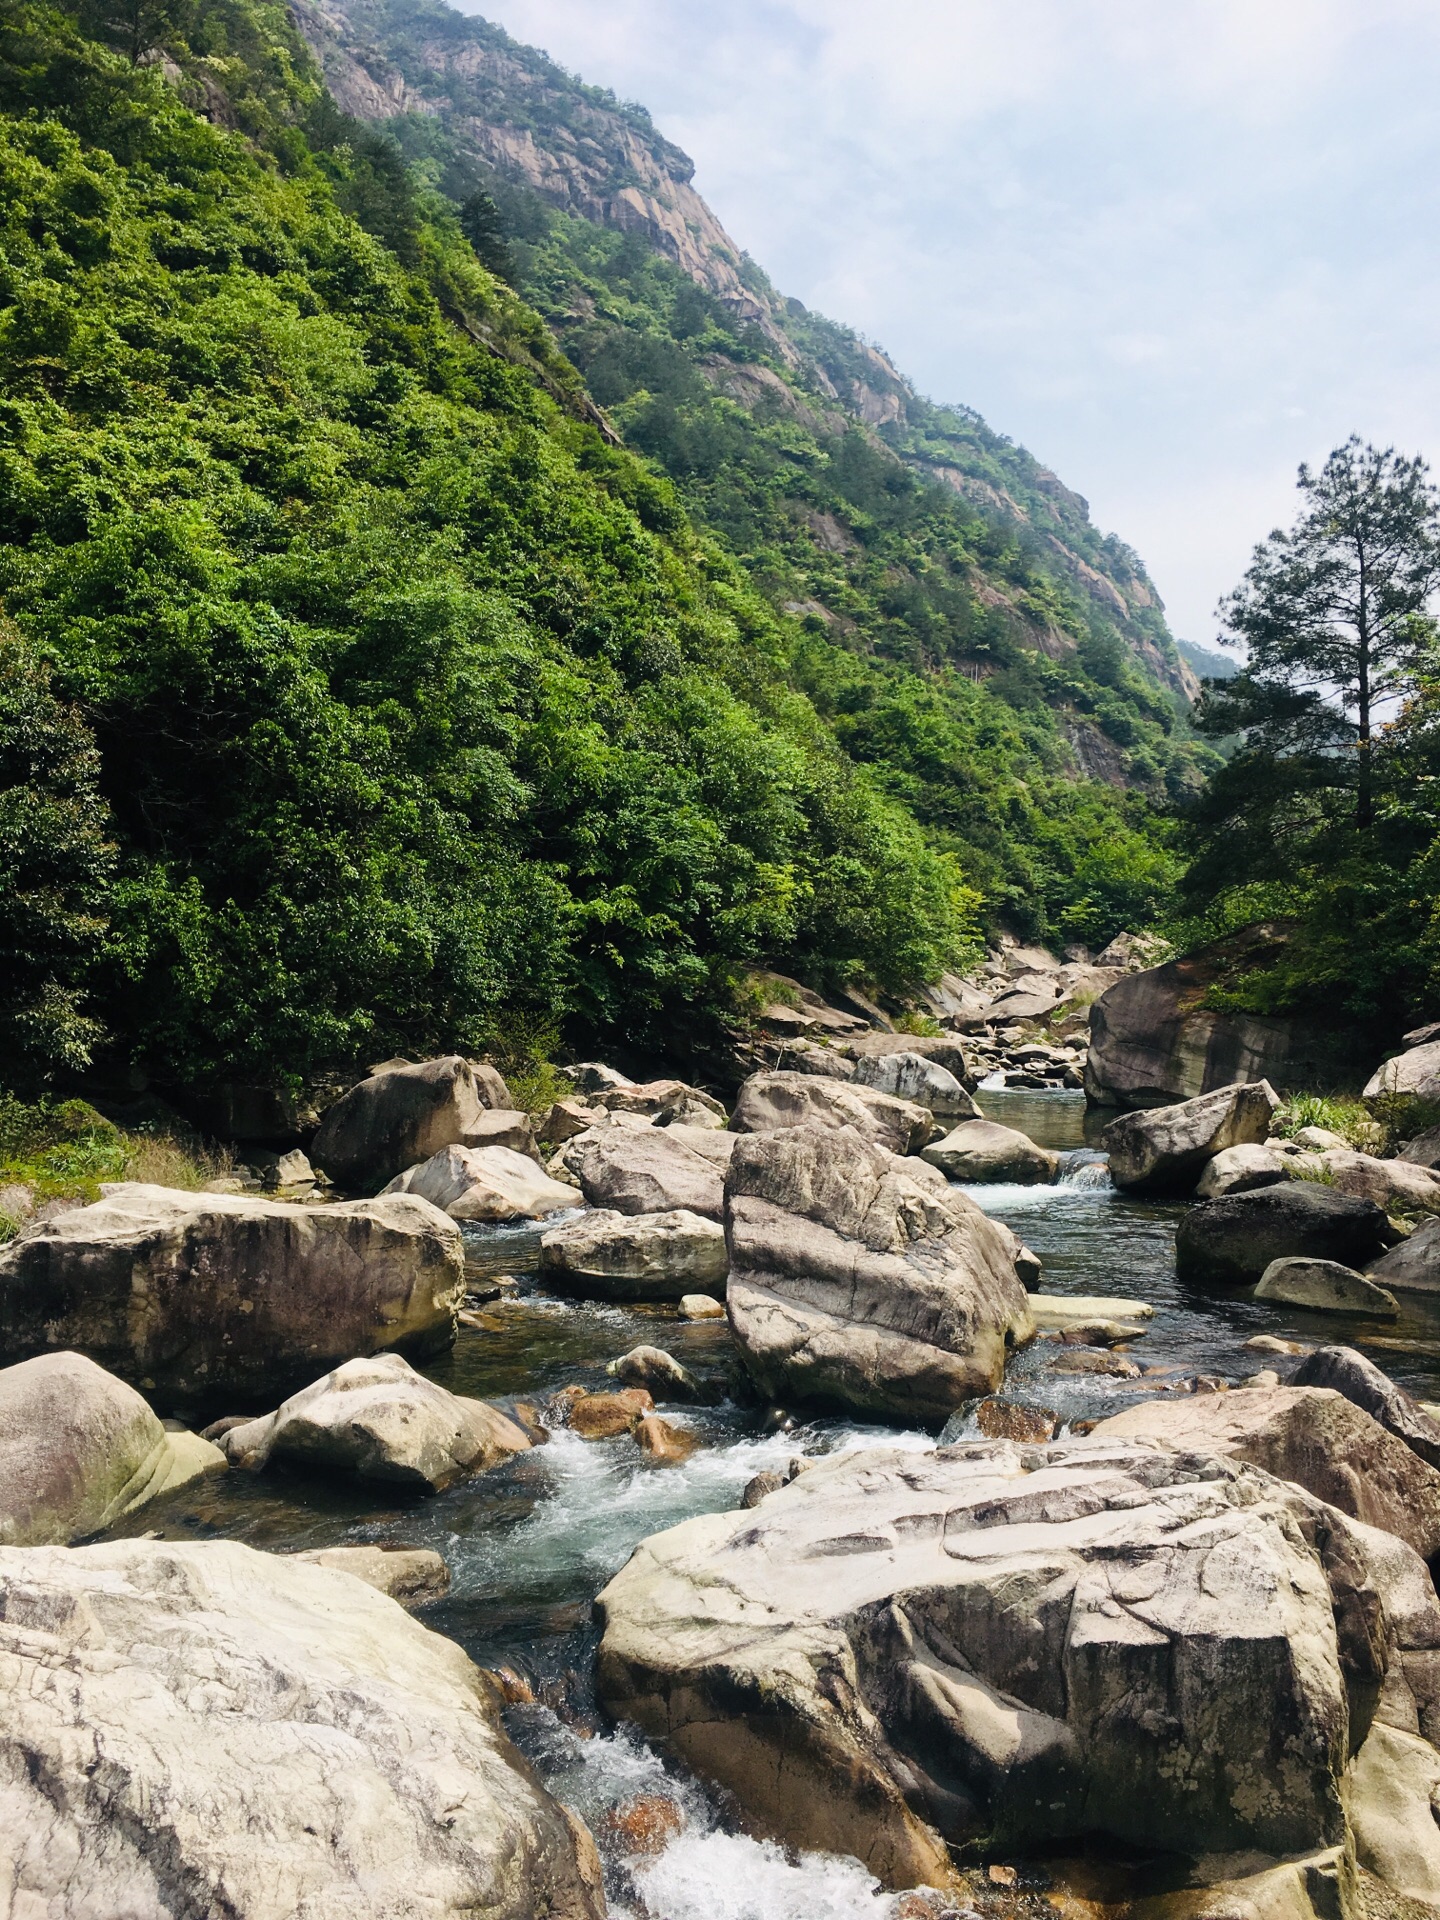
(607,1255)
(379,1420)
(665,1101)
(1394,1789)
(924,1083)
(502,1127)
(565,1119)
(1021,1004)
(401,1115)
(856,1284)
(204,1729)
(701,1306)
(1396,1186)
(1154,1040)
(1325,1286)
(1422,1151)
(1096,1645)
(605,1416)
(485,1183)
(79,1449)
(1230,1242)
(768,1101)
(646,1170)
(1365,1386)
(660,1372)
(665,1444)
(594,1077)
(978,1151)
(1059,1313)
(1413,1266)
(197,1295)
(943,1048)
(1241,1170)
(411,1575)
(1312,1436)
(1408,1086)
(1166,1149)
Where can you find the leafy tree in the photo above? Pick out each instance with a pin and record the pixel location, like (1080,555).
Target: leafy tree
(55,867)
(483,226)
(137,27)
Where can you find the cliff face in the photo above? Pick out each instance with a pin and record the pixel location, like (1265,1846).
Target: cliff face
(513,111)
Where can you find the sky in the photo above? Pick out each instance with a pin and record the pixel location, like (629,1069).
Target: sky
(1174,247)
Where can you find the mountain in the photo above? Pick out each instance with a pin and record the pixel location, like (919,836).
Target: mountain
(432,613)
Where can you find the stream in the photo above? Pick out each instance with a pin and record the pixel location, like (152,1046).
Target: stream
(529,1545)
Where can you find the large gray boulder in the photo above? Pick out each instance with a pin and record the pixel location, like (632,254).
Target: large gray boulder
(79,1449)
(485,1184)
(769,1101)
(1396,1186)
(923,1082)
(978,1151)
(1408,1086)
(1242,1170)
(607,1255)
(646,1169)
(945,1049)
(1325,1286)
(1166,1149)
(857,1283)
(1103,1643)
(1362,1383)
(1154,1039)
(401,1115)
(1313,1436)
(194,1296)
(1413,1266)
(379,1420)
(206,1730)
(1230,1242)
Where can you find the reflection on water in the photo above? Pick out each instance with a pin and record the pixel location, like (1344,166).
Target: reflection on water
(530,1545)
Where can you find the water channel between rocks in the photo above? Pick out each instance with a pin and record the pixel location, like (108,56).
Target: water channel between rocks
(529,1546)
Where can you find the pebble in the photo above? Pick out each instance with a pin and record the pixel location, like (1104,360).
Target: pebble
(700,1306)
(1271,1343)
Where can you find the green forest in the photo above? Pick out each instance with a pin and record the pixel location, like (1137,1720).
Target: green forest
(406,643)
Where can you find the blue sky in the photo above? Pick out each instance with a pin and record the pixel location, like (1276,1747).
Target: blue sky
(1173,246)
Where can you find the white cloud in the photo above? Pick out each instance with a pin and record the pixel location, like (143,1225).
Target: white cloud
(1173,248)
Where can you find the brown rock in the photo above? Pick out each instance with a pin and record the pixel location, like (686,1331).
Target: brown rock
(666,1444)
(601,1416)
(1091,1360)
(1008,1420)
(645,1825)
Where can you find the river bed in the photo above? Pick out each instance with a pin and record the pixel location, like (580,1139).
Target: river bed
(530,1545)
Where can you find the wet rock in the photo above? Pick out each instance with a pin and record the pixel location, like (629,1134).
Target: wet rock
(379,1420)
(1413,1266)
(79,1448)
(769,1101)
(854,1283)
(1056,1312)
(643,1826)
(661,1372)
(1407,1085)
(1325,1286)
(486,1184)
(1241,1170)
(1166,1149)
(979,1151)
(702,1306)
(402,1115)
(604,1416)
(276,1739)
(1365,1386)
(1009,1420)
(1094,1360)
(1099,1642)
(411,1575)
(1312,1436)
(1230,1242)
(195,1295)
(923,1082)
(647,1171)
(649,1256)
(665,1444)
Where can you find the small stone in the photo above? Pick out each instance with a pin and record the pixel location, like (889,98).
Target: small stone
(700,1306)
(1267,1377)
(1090,1360)
(1101,1333)
(1001,1876)
(661,1372)
(756,1489)
(1272,1343)
(602,1416)
(643,1826)
(515,1689)
(667,1445)
(1008,1420)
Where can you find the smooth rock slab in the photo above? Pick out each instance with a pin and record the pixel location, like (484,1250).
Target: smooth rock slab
(206,1730)
(1024,1647)
(859,1282)
(1230,1242)
(199,1296)
(1166,1149)
(485,1183)
(79,1448)
(1413,1266)
(979,1151)
(648,1256)
(769,1101)
(379,1420)
(1312,1436)
(1325,1286)
(411,1575)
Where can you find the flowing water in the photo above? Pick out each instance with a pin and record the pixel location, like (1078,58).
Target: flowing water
(530,1545)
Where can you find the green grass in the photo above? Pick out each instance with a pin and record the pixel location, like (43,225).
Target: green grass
(1337,1113)
(64,1150)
